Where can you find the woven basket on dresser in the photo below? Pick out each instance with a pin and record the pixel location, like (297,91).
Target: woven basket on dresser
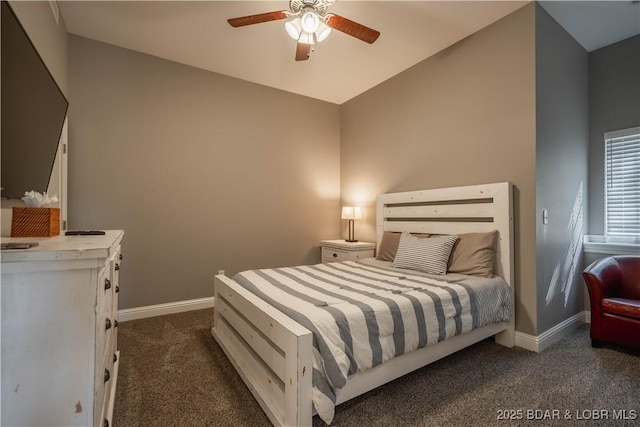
(35,222)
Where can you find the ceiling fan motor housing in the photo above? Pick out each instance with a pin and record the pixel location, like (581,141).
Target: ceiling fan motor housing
(318,6)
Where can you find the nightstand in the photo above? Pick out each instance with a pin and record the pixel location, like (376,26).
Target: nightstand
(340,250)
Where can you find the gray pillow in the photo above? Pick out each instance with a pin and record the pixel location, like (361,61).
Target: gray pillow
(474,254)
(427,255)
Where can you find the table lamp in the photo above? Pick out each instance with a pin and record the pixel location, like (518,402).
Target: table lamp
(351,213)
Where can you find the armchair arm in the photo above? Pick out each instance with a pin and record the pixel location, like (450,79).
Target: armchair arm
(603,279)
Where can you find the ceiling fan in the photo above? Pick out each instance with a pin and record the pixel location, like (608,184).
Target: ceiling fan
(311,23)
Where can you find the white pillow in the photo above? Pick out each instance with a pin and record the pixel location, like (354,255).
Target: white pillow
(429,255)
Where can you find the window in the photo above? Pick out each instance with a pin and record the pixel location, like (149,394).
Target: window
(622,185)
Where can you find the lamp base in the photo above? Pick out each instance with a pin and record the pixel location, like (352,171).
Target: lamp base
(351,238)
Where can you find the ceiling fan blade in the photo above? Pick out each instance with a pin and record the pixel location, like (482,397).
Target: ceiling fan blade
(257,19)
(303,51)
(352,28)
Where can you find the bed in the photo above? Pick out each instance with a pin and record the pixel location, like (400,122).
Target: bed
(280,358)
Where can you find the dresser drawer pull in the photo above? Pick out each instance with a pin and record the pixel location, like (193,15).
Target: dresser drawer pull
(107,284)
(107,375)
(115,358)
(107,325)
(117,266)
(105,423)
(117,289)
(115,323)
(335,255)
(120,257)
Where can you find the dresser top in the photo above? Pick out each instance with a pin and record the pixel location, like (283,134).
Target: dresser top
(62,247)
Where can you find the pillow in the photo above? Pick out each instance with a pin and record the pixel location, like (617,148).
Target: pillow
(428,255)
(474,254)
(389,245)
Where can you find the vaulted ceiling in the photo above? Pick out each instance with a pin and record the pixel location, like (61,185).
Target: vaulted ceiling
(341,67)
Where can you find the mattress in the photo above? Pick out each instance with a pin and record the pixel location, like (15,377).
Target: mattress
(364,313)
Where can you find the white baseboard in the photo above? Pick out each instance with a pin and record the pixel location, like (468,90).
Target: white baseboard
(547,338)
(162,309)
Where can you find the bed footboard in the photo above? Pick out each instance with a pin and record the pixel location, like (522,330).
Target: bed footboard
(271,352)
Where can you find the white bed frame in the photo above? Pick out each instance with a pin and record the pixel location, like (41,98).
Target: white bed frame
(273,353)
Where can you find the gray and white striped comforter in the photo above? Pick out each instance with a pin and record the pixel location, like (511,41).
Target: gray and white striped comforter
(365,313)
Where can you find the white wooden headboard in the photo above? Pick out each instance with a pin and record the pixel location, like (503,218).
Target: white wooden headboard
(475,208)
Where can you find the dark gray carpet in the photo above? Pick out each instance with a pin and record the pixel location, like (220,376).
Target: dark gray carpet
(173,373)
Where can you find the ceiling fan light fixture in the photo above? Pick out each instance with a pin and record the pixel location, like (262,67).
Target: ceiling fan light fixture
(306,38)
(323,32)
(310,22)
(294,28)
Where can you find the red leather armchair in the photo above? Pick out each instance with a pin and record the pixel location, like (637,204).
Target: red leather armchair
(614,291)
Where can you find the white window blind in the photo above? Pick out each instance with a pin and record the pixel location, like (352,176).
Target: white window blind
(622,184)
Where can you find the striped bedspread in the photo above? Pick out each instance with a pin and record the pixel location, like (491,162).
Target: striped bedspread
(364,313)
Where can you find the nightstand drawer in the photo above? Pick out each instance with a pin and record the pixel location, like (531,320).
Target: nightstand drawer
(341,250)
(334,255)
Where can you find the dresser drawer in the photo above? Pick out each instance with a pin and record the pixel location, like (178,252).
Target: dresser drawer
(105,341)
(116,265)
(105,323)
(104,377)
(106,290)
(110,392)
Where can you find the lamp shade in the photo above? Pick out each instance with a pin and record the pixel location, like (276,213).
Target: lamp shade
(294,28)
(310,22)
(351,212)
(306,38)
(322,32)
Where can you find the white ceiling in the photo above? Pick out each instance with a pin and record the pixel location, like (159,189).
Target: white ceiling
(197,34)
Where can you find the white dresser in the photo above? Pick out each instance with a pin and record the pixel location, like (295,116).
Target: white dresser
(59,323)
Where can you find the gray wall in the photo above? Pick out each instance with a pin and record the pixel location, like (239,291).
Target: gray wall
(561,170)
(202,171)
(614,104)
(464,116)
